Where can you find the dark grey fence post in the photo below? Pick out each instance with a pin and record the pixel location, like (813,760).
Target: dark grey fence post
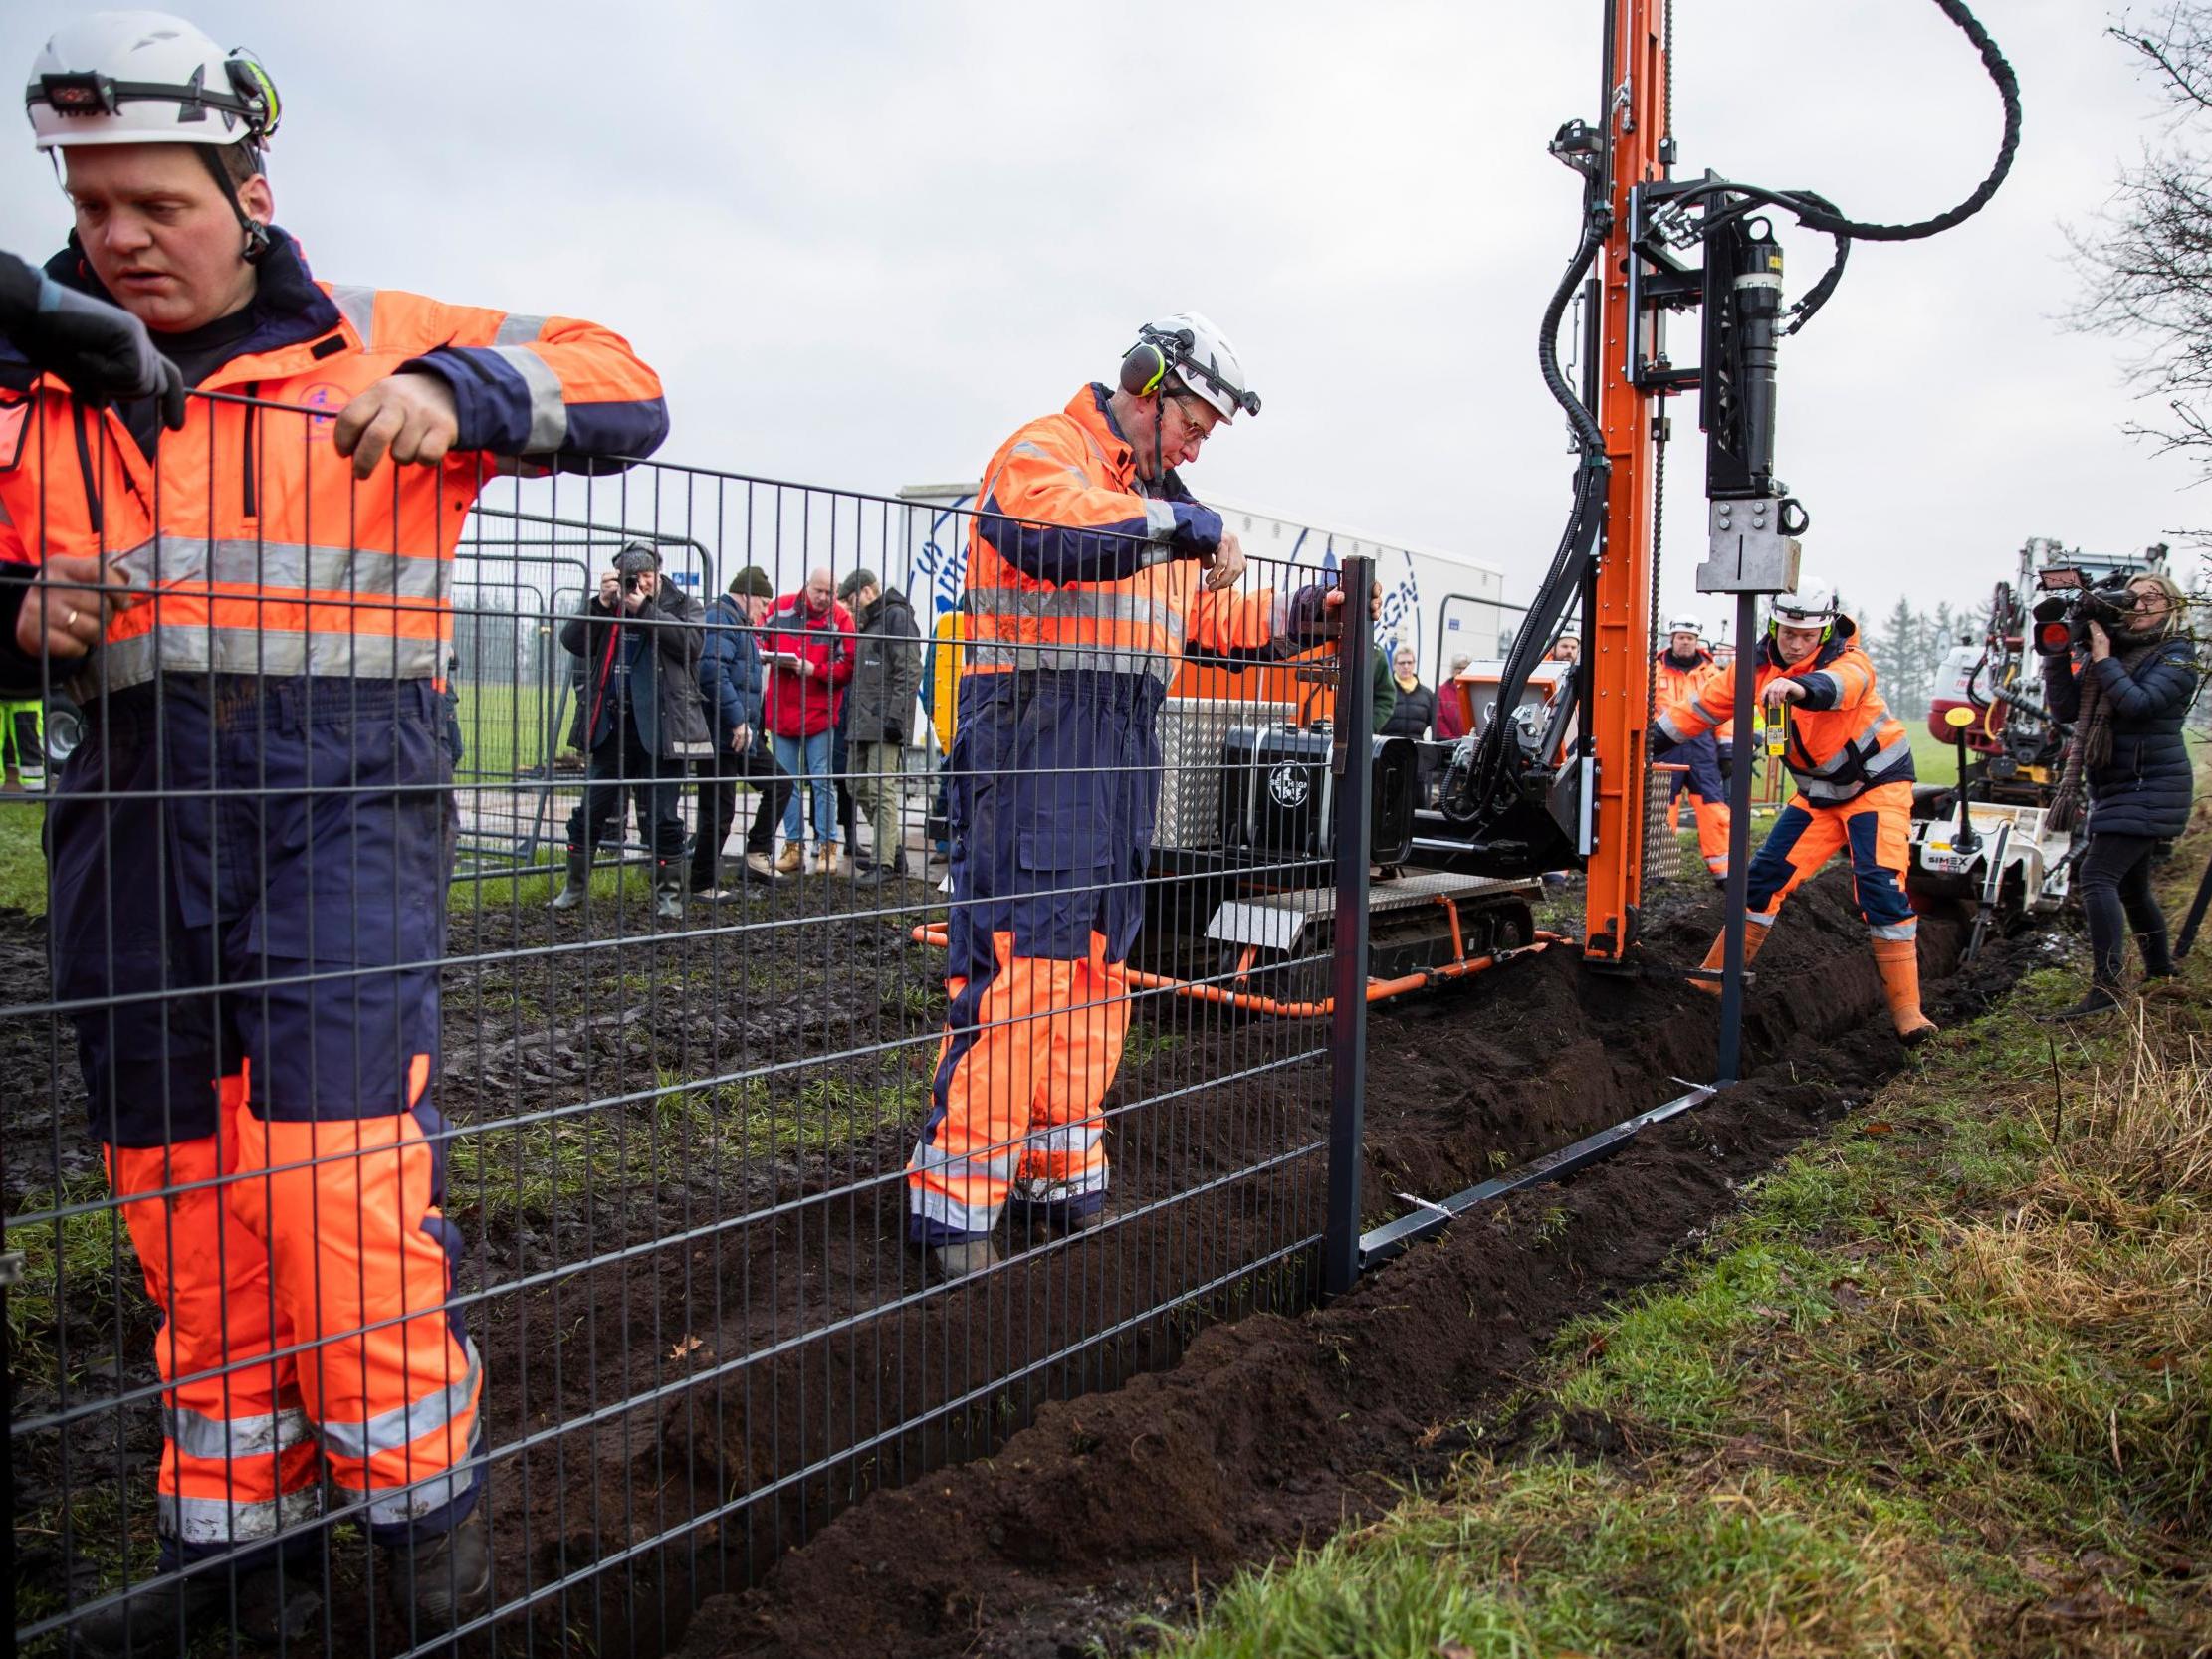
(1352,772)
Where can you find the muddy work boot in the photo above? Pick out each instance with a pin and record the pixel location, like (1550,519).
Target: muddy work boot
(444,1580)
(960,1258)
(1899,963)
(1754,940)
(272,1609)
(577,885)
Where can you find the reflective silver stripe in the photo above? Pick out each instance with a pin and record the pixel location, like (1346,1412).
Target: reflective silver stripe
(171,562)
(549,409)
(220,1521)
(950,1212)
(403,1425)
(1035,1189)
(1851,746)
(1029,446)
(518,330)
(395,1506)
(271,651)
(1066,1137)
(358,306)
(1666,723)
(1817,787)
(1760,919)
(197,1435)
(1910,928)
(1159,521)
(1093,659)
(1010,604)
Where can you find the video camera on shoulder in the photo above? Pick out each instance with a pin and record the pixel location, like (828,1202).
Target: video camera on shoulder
(2072,601)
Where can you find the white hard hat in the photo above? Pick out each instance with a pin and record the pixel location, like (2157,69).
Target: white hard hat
(145,78)
(1188,346)
(1687,625)
(1810,605)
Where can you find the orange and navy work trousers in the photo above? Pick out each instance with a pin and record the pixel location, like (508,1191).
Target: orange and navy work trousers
(1700,778)
(247,894)
(1053,786)
(1875,827)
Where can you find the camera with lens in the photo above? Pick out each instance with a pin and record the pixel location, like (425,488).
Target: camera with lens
(635,562)
(2071,602)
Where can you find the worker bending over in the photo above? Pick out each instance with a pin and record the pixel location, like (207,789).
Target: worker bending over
(1852,762)
(1090,570)
(250,850)
(1679,670)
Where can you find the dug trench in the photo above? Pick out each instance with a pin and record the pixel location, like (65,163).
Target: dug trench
(1275,1431)
(1008,1479)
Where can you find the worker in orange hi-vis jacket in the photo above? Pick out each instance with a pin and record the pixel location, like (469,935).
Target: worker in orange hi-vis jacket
(253,607)
(1677,671)
(1852,762)
(1091,570)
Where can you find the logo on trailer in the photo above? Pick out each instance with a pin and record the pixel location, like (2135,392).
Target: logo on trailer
(1290,784)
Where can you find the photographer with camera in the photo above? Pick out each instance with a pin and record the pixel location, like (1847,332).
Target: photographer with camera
(639,719)
(2126,679)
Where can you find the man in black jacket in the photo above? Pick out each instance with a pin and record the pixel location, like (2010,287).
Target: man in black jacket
(879,708)
(731,680)
(639,719)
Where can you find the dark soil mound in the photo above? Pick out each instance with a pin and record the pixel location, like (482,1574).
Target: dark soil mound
(1278,1430)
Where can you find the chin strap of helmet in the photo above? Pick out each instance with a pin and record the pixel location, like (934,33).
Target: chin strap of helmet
(258,240)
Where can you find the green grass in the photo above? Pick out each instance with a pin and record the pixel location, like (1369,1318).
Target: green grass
(1943,1386)
(22,857)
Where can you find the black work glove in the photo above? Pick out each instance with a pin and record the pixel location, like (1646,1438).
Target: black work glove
(1727,756)
(102,352)
(1657,745)
(893,732)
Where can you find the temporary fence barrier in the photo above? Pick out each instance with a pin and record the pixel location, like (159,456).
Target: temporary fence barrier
(351,1185)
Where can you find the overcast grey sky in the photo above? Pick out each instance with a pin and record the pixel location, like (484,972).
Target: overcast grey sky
(861,243)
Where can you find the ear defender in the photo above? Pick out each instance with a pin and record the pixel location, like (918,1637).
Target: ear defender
(1143,370)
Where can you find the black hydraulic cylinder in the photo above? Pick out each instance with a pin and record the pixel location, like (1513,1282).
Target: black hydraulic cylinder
(1730,1067)
(1352,765)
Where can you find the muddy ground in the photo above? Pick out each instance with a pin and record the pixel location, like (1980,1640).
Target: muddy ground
(717,1239)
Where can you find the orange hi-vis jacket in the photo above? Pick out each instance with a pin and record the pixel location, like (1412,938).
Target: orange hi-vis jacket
(1843,739)
(247,542)
(1673,683)
(1072,566)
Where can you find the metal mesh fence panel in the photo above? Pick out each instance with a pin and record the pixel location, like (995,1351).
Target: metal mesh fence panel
(473,1089)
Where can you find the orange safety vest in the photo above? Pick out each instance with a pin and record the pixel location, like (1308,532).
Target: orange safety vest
(1072,567)
(1671,684)
(247,543)
(1843,739)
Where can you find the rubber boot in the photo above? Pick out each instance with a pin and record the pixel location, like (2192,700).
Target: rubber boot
(165,1621)
(1899,961)
(578,883)
(961,1257)
(1754,942)
(445,1581)
(668,891)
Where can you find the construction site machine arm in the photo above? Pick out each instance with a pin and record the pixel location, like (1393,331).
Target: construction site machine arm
(1561,784)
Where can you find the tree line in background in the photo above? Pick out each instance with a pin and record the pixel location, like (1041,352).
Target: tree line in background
(1908,647)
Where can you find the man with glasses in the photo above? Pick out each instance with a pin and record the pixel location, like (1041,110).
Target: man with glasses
(1091,570)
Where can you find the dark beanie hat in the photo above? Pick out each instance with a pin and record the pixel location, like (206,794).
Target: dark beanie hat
(753,583)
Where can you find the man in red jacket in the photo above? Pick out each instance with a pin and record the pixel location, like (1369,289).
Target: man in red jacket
(809,660)
(250,849)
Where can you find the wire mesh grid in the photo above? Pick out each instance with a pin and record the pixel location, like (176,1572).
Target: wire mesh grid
(469,1084)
